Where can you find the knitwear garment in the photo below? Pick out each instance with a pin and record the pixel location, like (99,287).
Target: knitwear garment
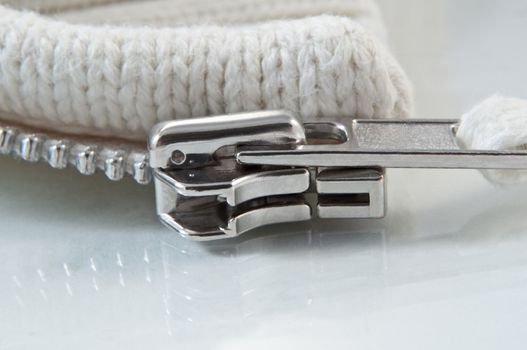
(106,68)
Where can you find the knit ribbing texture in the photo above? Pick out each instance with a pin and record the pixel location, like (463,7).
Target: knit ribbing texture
(117,80)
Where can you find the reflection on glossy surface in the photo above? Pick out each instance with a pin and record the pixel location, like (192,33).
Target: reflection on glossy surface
(85,263)
(455,261)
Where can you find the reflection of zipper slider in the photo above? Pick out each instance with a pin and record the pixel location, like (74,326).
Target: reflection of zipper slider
(222,176)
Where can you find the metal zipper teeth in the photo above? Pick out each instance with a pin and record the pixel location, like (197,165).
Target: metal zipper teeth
(87,158)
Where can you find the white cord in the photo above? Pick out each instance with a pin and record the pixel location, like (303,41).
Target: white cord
(498,123)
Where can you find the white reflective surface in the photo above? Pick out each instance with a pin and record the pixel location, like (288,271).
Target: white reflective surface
(85,264)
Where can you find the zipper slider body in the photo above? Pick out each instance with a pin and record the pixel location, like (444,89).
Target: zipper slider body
(221,176)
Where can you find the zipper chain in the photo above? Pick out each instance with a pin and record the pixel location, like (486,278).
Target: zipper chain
(114,159)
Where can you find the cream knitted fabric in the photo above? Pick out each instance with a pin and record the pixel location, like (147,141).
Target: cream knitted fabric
(54,5)
(162,13)
(120,80)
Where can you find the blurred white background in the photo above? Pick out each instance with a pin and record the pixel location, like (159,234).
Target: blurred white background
(84,264)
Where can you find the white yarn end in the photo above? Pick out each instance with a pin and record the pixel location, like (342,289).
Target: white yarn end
(498,123)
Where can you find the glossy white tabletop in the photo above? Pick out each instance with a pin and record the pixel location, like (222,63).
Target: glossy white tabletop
(84,263)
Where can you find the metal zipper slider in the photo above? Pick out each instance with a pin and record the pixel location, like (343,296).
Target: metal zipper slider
(222,176)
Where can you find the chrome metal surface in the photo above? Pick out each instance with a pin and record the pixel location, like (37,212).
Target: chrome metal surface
(57,153)
(29,147)
(204,193)
(363,189)
(409,143)
(114,158)
(196,140)
(113,167)
(84,159)
(222,176)
(7,139)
